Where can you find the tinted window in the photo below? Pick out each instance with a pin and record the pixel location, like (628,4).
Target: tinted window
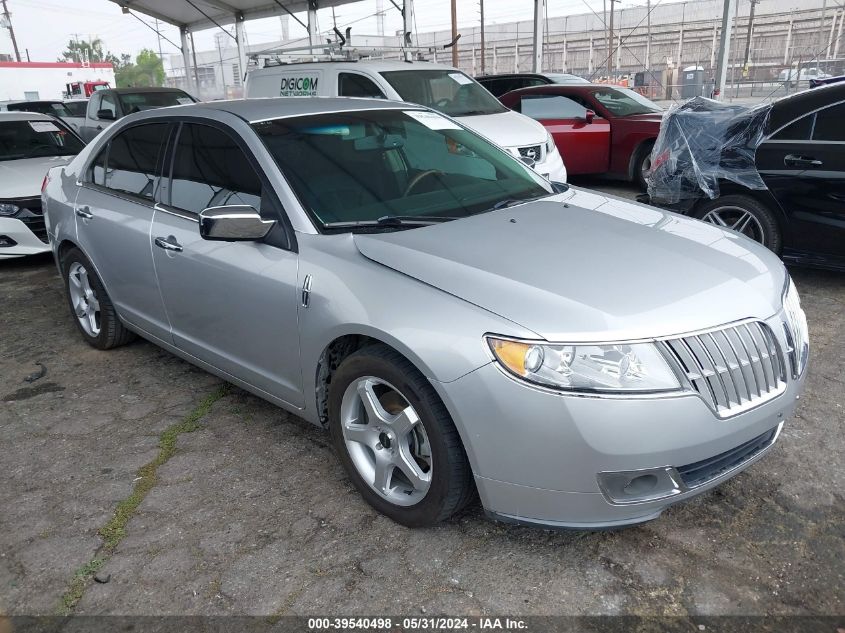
(210,170)
(830,124)
(551,107)
(797,130)
(352,85)
(76,108)
(42,107)
(625,102)
(30,139)
(107,103)
(133,158)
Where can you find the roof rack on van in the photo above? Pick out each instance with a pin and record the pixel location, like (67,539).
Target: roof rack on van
(334,52)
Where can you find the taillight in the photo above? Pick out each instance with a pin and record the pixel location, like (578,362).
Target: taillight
(45,181)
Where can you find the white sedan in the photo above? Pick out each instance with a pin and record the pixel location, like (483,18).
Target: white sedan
(30,144)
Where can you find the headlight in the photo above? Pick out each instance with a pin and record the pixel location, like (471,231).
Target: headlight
(7,209)
(624,368)
(550,143)
(797,331)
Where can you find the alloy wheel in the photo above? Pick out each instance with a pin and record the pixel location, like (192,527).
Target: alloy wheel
(84,300)
(386,441)
(737,219)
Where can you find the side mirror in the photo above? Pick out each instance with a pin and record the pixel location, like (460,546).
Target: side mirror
(589,115)
(233,223)
(108,115)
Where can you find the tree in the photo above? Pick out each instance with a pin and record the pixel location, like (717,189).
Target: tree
(80,51)
(146,71)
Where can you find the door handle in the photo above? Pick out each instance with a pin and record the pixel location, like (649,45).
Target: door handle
(794,160)
(84,212)
(168,244)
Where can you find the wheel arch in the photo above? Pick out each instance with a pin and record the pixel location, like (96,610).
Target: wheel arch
(635,155)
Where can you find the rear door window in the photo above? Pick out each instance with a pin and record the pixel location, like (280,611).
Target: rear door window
(551,107)
(355,85)
(799,130)
(830,124)
(211,170)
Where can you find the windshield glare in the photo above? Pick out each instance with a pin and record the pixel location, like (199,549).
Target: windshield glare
(625,102)
(449,91)
(29,139)
(362,166)
(139,101)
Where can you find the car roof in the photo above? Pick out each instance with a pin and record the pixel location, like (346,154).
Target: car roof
(262,109)
(121,91)
(23,115)
(22,101)
(789,108)
(377,65)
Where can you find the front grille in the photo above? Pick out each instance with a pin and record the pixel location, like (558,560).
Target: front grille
(700,473)
(534,152)
(733,368)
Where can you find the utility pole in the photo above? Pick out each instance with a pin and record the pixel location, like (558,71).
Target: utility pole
(158,34)
(539,11)
(610,44)
(455,33)
(483,53)
(648,39)
(748,35)
(724,49)
(11,30)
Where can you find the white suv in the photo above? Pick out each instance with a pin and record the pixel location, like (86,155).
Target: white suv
(436,86)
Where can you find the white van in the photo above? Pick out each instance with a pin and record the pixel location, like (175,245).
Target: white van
(436,86)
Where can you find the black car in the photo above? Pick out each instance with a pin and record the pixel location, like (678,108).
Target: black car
(775,172)
(500,84)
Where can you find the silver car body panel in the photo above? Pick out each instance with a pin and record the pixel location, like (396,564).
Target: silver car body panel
(574,267)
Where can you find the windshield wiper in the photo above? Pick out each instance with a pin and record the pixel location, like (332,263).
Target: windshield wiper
(509,202)
(391,221)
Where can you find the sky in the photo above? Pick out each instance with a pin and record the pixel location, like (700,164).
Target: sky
(45,26)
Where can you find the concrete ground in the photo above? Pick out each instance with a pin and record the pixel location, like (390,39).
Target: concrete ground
(133,483)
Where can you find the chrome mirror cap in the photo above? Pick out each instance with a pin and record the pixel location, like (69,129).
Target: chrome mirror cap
(233,223)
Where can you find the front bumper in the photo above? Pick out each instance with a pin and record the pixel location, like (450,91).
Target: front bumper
(23,241)
(538,455)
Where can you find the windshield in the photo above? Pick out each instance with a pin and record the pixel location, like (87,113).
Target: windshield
(76,108)
(42,107)
(625,102)
(138,101)
(411,164)
(29,139)
(449,91)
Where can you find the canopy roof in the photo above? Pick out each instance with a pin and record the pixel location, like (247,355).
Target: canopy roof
(196,15)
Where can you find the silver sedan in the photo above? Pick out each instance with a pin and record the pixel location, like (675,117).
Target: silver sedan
(458,324)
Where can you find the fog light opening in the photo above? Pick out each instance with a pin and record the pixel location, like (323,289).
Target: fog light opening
(6,241)
(641,485)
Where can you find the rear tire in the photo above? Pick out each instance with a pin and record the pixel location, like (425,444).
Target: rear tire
(743,214)
(401,450)
(642,163)
(90,305)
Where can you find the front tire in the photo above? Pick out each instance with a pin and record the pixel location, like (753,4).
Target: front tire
(396,439)
(92,309)
(745,215)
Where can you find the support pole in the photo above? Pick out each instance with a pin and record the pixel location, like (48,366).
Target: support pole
(724,49)
(240,39)
(838,35)
(196,68)
(788,37)
(455,33)
(483,50)
(748,37)
(610,45)
(648,39)
(539,12)
(313,35)
(186,60)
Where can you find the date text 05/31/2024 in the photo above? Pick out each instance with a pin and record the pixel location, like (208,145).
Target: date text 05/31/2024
(386,624)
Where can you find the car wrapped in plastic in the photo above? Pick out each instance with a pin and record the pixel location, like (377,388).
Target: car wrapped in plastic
(701,143)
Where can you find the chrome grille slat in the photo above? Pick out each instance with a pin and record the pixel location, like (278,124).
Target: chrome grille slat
(732,368)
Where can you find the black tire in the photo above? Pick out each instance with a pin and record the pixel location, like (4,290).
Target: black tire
(452,486)
(769,234)
(641,162)
(112,332)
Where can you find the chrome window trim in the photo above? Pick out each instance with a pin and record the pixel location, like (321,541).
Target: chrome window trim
(179,213)
(120,195)
(804,114)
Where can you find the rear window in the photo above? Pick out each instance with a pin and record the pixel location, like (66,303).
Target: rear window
(42,107)
(139,101)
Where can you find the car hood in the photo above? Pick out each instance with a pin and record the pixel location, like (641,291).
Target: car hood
(584,267)
(508,129)
(22,178)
